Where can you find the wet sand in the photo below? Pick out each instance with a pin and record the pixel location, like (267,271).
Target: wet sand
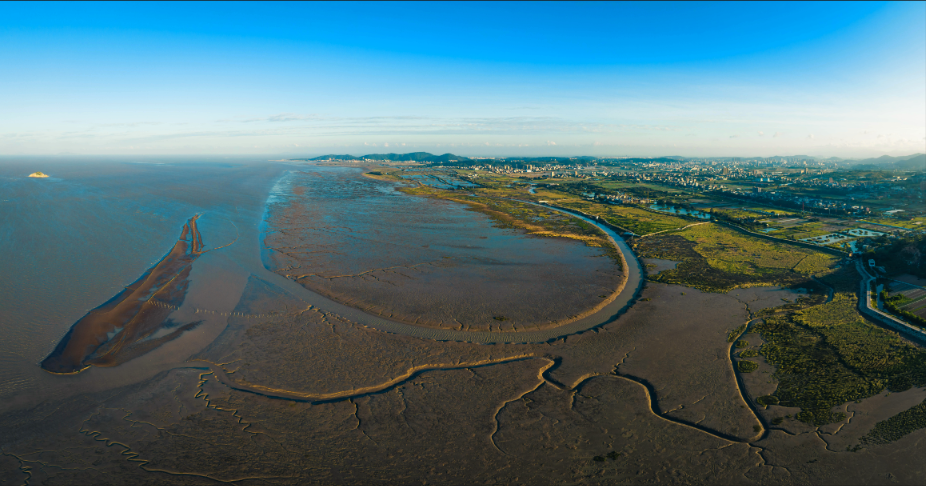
(430,263)
(115,332)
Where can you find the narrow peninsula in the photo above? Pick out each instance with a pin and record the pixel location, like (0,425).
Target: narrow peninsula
(121,328)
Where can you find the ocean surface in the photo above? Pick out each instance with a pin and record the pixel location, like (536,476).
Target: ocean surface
(70,242)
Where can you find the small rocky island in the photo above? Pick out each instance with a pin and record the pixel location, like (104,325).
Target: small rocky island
(38,174)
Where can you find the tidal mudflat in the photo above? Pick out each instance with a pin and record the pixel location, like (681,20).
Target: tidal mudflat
(353,405)
(425,261)
(280,385)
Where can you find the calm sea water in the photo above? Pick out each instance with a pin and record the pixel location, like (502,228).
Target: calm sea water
(70,242)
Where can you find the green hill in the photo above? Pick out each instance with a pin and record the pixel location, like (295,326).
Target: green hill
(417,157)
(332,156)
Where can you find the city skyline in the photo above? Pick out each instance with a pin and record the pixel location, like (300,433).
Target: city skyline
(698,80)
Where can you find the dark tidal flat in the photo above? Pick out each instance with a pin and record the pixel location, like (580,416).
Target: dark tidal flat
(424,261)
(124,326)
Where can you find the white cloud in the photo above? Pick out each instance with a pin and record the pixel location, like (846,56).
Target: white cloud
(776,135)
(761,133)
(551,143)
(810,136)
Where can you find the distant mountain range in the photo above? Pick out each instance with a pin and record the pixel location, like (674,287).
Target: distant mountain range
(411,157)
(451,159)
(908,162)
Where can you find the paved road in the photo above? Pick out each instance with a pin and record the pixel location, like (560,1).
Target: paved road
(864,304)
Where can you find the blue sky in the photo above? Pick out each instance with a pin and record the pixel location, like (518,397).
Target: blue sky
(694,79)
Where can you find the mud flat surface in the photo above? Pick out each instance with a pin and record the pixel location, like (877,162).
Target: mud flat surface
(428,262)
(656,265)
(126,325)
(293,394)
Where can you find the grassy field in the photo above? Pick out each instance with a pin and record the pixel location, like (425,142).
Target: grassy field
(384,174)
(718,259)
(802,231)
(780,212)
(634,219)
(915,223)
(736,213)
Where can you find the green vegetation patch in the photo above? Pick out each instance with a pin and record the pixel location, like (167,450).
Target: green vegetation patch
(801,302)
(903,255)
(842,279)
(806,230)
(895,306)
(717,259)
(918,222)
(749,353)
(735,334)
(897,426)
(734,213)
(767,400)
(639,221)
(746,366)
(828,355)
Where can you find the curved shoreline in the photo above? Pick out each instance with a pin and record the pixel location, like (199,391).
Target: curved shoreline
(626,294)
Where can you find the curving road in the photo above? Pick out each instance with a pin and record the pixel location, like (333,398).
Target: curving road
(627,293)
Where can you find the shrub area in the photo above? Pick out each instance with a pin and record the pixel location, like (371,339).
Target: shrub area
(897,426)
(746,366)
(736,333)
(638,220)
(828,355)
